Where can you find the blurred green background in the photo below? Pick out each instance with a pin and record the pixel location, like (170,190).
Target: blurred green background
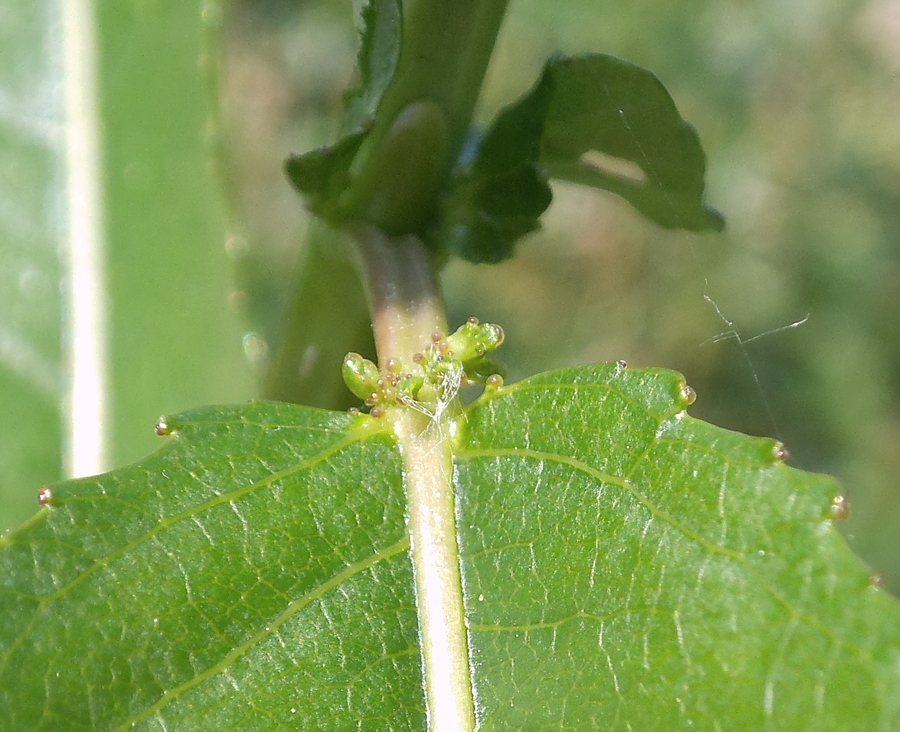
(796,105)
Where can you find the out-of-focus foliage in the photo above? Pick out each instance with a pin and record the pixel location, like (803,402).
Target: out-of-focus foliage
(173,340)
(30,298)
(795,105)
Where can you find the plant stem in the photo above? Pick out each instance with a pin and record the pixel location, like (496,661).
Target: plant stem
(421,123)
(402,290)
(446,47)
(427,108)
(439,596)
(406,310)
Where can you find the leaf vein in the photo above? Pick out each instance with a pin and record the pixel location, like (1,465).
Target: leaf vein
(269,629)
(710,546)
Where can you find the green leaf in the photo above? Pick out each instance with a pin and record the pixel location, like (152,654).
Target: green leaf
(163,238)
(379,51)
(174,341)
(500,195)
(591,119)
(629,567)
(253,574)
(323,175)
(617,109)
(625,567)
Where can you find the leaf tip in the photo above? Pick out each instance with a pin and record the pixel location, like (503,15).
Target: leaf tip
(780,453)
(840,507)
(45,497)
(685,396)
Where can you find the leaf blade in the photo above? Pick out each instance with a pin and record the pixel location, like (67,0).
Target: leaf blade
(624,566)
(182,591)
(616,108)
(323,175)
(590,119)
(631,606)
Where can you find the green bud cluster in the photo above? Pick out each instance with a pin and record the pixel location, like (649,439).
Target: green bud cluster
(434,376)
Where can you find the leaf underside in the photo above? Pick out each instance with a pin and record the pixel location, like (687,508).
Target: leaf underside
(625,567)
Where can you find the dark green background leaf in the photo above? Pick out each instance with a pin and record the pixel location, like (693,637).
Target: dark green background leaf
(322,175)
(500,195)
(590,119)
(610,106)
(625,567)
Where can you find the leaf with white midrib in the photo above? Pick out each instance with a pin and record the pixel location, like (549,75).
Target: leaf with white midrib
(625,567)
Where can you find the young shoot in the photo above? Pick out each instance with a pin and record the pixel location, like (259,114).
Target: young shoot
(431,382)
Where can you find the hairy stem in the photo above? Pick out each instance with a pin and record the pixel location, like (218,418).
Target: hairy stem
(406,311)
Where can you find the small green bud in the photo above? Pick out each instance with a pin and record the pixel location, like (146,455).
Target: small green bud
(408,386)
(398,174)
(473,340)
(481,370)
(360,375)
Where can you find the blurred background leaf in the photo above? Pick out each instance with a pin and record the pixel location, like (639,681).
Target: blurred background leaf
(174,341)
(795,104)
(30,270)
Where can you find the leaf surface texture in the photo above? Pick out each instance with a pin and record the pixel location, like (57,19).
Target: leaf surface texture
(625,567)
